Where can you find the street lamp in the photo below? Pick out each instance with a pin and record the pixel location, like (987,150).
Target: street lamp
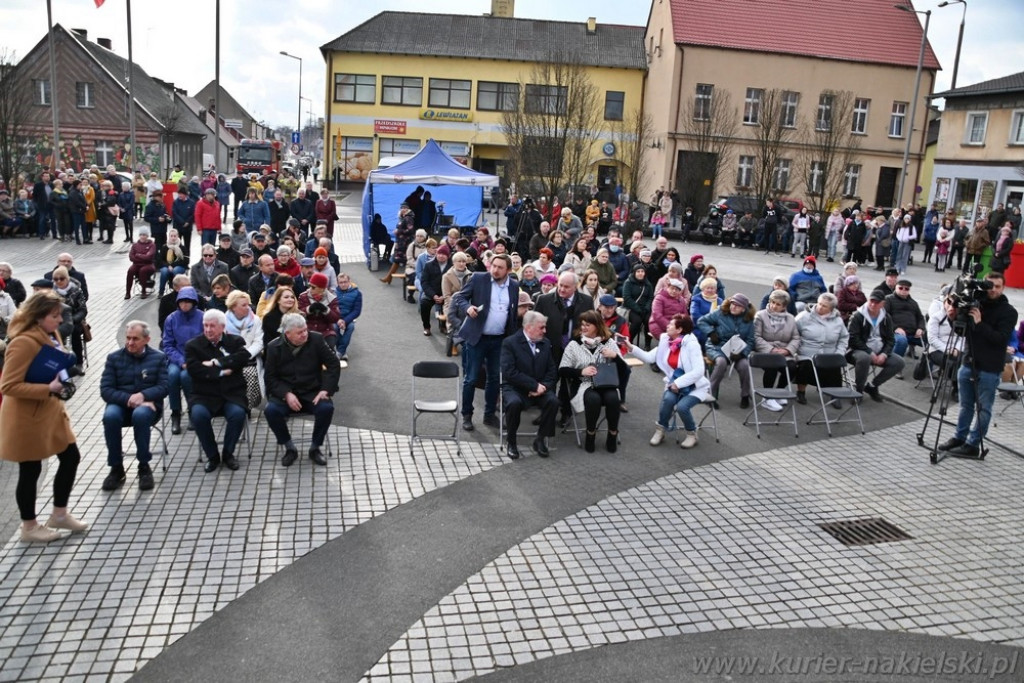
(913,105)
(298,120)
(959,38)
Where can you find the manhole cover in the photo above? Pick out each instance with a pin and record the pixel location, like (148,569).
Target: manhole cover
(865,531)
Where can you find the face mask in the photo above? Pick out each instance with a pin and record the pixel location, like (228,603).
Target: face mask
(614,248)
(689,213)
(808,270)
(665,262)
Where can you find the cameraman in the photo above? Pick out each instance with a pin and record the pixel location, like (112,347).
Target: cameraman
(989,321)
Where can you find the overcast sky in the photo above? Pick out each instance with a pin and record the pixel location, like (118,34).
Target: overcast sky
(175,40)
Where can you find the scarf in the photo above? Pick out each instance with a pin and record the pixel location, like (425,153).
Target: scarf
(237,325)
(1001,242)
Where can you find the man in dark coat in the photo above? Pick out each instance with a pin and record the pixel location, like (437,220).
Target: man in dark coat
(528,374)
(239,186)
(302,375)
(244,271)
(214,361)
(65,259)
(562,308)
(871,344)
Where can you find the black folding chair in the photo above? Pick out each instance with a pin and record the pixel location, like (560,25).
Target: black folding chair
(828,395)
(436,371)
(771,361)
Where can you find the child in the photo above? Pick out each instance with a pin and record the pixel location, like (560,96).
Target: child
(657,223)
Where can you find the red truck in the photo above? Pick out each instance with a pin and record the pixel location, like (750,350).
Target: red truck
(259,156)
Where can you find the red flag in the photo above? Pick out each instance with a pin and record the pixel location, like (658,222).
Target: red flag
(99,3)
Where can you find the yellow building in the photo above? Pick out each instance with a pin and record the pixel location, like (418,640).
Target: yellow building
(402,78)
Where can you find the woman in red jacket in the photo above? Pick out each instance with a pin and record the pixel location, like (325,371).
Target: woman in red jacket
(327,210)
(207,217)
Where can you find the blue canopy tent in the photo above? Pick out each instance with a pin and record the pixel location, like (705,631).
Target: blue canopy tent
(460,188)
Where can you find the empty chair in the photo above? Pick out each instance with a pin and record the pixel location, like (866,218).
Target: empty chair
(1014,388)
(827,395)
(777,362)
(432,374)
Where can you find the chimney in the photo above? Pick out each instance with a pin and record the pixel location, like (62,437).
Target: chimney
(81,33)
(105,43)
(591,25)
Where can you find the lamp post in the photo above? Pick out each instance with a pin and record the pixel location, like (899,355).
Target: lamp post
(298,120)
(913,105)
(959,38)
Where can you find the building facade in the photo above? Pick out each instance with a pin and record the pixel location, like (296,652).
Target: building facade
(980,151)
(696,62)
(403,78)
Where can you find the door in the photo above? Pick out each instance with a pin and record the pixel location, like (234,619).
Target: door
(607,179)
(1014,196)
(885,195)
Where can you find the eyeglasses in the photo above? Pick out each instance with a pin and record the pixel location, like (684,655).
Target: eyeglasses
(208,255)
(903,289)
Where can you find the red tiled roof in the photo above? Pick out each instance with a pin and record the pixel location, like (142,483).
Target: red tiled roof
(834,29)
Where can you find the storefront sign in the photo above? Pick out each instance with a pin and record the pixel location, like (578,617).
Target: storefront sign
(389,126)
(445,115)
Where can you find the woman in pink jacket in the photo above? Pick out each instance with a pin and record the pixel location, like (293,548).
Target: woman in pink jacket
(667,303)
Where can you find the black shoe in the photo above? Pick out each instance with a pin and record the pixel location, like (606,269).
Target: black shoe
(588,442)
(175,423)
(114,480)
(145,477)
(564,421)
(289,457)
(1006,395)
(801,397)
(467,423)
(540,447)
(612,442)
(212,465)
(951,444)
(492,421)
(872,391)
(513,451)
(536,421)
(316,456)
(967,449)
(655,368)
(230,462)
(744,402)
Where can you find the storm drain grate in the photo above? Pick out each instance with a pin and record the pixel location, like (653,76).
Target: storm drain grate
(865,531)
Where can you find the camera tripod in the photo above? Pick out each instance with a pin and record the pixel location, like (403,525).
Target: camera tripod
(941,393)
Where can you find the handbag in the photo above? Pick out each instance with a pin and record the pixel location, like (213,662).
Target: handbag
(607,377)
(86,332)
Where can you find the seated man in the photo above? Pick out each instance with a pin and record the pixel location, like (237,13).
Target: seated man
(871,343)
(907,320)
(215,361)
(65,259)
(133,385)
(302,374)
(528,379)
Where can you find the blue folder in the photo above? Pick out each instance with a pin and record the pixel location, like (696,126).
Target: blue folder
(48,362)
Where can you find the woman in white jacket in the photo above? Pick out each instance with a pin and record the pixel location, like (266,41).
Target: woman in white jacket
(678,356)
(242,321)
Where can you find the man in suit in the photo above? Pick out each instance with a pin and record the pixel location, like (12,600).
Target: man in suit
(215,361)
(528,379)
(44,211)
(487,302)
(201,274)
(263,281)
(65,259)
(562,308)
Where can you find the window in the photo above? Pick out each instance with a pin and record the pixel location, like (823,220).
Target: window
(546,99)
(360,88)
(816,180)
(492,96)
(104,153)
(745,174)
(824,119)
(614,103)
(392,147)
(1017,128)
(780,176)
(752,106)
(42,91)
(787,113)
(702,102)
(899,113)
(860,116)
(448,93)
(83,96)
(402,90)
(976,125)
(851,180)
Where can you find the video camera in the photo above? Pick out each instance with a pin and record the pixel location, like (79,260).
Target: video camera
(967,293)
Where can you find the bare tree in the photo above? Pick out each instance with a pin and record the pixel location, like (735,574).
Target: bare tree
(770,136)
(551,130)
(830,148)
(14,116)
(632,137)
(709,125)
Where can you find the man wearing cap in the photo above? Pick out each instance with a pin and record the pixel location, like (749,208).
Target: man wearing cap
(183,217)
(260,247)
(907,319)
(528,375)
(226,252)
(806,284)
(321,308)
(871,344)
(244,270)
(888,285)
(431,291)
(176,175)
(207,217)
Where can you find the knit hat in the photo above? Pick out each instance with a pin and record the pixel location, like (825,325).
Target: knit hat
(695,258)
(549,278)
(676,283)
(318,280)
(740,300)
(444,249)
(645,252)
(319,251)
(810,259)
(851,279)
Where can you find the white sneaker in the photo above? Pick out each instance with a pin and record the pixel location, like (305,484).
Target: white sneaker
(771,404)
(781,401)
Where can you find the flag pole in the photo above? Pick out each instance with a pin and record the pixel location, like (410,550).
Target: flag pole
(216,97)
(55,158)
(133,164)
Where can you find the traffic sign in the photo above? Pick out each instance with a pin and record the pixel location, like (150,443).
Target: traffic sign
(295,148)
(296,137)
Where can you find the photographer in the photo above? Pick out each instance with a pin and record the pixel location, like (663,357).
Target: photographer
(988,319)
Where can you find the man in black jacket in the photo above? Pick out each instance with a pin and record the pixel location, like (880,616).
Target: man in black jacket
(303,210)
(987,328)
(215,361)
(239,186)
(226,253)
(528,375)
(246,269)
(65,259)
(302,375)
(871,343)
(907,319)
(430,286)
(264,280)
(561,308)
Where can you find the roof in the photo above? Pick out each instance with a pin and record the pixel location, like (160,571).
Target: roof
(432,166)
(224,94)
(153,97)
(1014,83)
(488,37)
(892,36)
(195,107)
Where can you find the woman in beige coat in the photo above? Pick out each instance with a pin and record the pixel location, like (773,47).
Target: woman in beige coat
(33,421)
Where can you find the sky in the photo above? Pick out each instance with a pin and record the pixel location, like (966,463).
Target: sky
(175,41)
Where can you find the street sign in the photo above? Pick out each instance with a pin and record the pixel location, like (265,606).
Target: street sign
(295,148)
(296,137)
(233,123)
